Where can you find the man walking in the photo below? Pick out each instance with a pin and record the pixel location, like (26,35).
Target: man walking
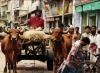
(76,54)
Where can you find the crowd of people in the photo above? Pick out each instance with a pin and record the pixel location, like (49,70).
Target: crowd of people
(93,33)
(87,42)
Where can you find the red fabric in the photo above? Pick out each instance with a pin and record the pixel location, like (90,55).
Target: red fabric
(36,22)
(93,47)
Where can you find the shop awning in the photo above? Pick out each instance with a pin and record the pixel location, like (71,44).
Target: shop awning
(94,5)
(78,8)
(87,7)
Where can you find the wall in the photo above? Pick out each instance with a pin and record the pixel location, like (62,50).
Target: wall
(76,18)
(26,5)
(99,20)
(12,6)
(34,5)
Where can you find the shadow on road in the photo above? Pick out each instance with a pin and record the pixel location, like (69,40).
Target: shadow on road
(32,68)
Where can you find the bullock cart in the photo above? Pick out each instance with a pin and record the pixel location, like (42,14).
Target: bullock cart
(34,48)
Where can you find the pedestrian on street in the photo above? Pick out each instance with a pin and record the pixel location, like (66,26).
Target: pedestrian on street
(93,46)
(98,41)
(76,35)
(87,32)
(98,46)
(75,55)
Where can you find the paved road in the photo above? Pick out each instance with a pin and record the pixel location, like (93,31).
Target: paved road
(26,66)
(32,67)
(2,61)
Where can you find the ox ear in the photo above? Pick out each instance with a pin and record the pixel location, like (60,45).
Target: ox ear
(21,32)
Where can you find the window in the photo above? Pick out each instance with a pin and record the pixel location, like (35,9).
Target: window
(21,2)
(4,14)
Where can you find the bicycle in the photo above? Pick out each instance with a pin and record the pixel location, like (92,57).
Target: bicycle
(84,66)
(89,67)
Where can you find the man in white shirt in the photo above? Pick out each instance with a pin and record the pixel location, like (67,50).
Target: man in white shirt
(93,35)
(93,47)
(98,41)
(87,32)
(98,45)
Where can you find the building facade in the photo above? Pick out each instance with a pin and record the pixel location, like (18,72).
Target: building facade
(27,9)
(89,11)
(58,12)
(16,10)
(3,15)
(76,12)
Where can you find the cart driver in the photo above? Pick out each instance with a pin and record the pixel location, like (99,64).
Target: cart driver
(36,21)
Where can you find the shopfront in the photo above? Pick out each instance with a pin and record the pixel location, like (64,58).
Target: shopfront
(90,13)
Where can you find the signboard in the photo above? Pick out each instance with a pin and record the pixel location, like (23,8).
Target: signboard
(56,8)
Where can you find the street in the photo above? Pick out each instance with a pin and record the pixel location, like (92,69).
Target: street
(63,33)
(26,66)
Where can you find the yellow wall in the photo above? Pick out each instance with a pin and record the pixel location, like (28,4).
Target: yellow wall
(22,12)
(84,21)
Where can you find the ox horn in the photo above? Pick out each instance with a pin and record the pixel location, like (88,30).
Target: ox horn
(7,30)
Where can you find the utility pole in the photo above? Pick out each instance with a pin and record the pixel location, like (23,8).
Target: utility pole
(63,8)
(43,11)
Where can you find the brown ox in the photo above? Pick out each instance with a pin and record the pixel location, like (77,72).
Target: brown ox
(61,46)
(10,47)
